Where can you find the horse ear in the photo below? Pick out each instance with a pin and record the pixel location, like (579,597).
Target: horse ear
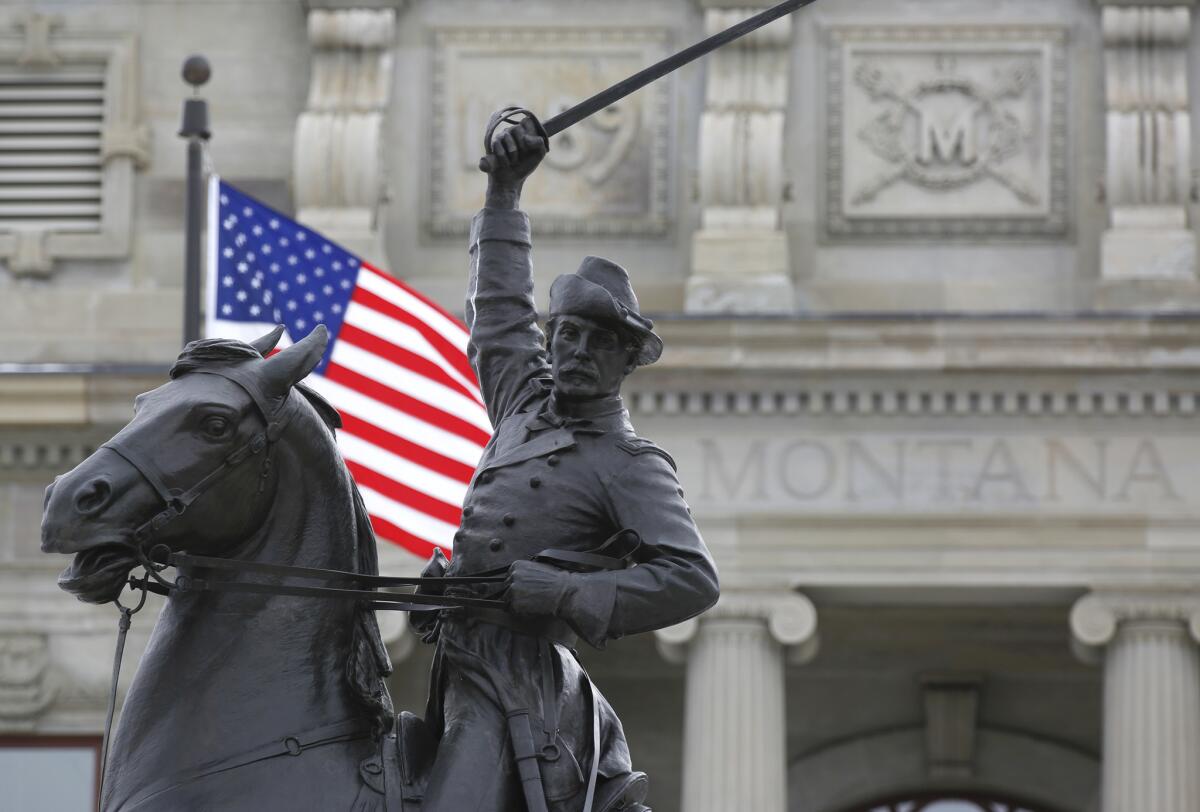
(290,366)
(267,343)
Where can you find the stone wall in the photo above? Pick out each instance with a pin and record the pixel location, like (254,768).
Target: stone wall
(893,247)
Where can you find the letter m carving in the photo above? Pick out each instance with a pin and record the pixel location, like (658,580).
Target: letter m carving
(942,143)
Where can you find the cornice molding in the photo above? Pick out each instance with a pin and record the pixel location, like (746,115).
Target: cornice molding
(927,342)
(914,401)
(39,454)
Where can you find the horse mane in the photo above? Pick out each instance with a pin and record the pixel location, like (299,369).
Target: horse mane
(368,663)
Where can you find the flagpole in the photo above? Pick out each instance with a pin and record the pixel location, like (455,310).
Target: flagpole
(196,72)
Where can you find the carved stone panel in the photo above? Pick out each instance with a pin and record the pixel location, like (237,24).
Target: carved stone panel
(25,689)
(946,131)
(606,175)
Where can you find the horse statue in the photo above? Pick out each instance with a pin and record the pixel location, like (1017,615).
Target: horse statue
(245,699)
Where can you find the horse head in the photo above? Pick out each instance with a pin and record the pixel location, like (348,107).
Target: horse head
(205,437)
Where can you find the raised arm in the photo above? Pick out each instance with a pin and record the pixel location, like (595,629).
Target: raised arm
(507,348)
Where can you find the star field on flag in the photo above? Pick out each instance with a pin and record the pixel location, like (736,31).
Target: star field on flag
(396,369)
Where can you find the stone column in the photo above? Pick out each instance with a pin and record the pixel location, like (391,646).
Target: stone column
(1148,183)
(740,255)
(735,750)
(338,158)
(1151,696)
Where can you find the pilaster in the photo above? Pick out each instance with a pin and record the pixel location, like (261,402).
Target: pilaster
(338,159)
(735,754)
(740,254)
(1148,251)
(1151,695)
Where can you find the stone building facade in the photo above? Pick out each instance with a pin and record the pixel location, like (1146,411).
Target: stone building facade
(926,272)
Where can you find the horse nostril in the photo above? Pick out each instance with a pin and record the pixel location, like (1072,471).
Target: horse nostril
(93,496)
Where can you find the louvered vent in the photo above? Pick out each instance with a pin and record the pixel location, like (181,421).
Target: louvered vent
(50,160)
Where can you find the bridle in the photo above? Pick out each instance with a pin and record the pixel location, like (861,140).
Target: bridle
(177,500)
(155,557)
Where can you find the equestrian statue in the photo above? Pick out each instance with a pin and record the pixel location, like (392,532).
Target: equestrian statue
(263,684)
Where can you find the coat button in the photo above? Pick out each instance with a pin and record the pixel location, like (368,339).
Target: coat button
(468,510)
(509,520)
(485,478)
(459,536)
(552,460)
(535,482)
(495,544)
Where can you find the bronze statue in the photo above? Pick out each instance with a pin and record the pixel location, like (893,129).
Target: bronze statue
(563,470)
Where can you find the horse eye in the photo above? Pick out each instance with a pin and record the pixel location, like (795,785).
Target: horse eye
(214,426)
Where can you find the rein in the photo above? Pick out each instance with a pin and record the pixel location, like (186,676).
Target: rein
(616,553)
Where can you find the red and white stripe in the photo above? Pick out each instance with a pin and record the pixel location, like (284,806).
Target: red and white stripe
(414,423)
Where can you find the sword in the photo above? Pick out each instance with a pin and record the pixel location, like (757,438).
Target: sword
(585,108)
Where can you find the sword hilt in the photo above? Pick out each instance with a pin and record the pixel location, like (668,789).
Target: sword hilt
(508,115)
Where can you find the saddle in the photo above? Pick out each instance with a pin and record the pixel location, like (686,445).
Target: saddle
(394,778)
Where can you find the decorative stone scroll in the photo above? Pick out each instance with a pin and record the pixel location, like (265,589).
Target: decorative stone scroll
(338,152)
(25,685)
(607,175)
(1149,139)
(740,255)
(946,131)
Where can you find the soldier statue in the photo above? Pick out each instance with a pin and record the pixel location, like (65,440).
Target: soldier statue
(518,722)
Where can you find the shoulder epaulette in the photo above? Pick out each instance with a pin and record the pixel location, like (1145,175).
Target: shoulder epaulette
(639,445)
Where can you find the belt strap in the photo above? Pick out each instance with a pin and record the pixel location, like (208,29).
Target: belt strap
(552,629)
(590,797)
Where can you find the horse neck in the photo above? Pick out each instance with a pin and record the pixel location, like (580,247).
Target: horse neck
(227,668)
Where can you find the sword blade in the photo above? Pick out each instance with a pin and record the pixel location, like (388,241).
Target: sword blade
(660,69)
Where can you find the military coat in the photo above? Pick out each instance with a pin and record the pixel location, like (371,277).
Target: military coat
(551,478)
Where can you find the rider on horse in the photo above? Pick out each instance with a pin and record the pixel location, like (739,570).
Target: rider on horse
(563,470)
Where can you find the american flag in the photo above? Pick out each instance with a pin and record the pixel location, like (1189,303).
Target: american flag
(414,423)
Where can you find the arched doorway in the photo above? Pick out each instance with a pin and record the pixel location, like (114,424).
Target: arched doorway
(948,802)
(888,769)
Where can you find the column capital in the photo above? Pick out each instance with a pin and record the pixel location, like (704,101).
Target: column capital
(1096,616)
(1145,3)
(790,618)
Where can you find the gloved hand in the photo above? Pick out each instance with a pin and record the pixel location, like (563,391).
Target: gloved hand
(533,588)
(435,568)
(425,623)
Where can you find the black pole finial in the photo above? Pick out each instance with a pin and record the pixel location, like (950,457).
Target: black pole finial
(196,72)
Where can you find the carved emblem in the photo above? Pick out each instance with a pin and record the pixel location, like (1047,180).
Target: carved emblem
(945,132)
(609,174)
(25,689)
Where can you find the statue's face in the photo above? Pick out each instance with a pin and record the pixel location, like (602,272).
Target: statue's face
(589,358)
